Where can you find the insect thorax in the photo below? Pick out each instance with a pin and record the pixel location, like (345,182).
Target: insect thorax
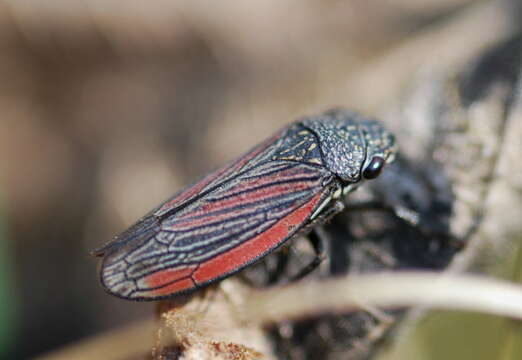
(299,144)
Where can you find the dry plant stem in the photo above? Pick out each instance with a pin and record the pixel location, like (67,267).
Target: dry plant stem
(457,292)
(390,290)
(208,327)
(115,345)
(203,328)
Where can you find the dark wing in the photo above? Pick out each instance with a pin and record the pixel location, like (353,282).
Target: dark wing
(186,196)
(218,234)
(222,223)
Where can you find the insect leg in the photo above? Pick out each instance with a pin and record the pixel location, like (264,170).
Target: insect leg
(318,243)
(317,239)
(281,265)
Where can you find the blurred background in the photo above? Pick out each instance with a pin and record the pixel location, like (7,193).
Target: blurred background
(109,107)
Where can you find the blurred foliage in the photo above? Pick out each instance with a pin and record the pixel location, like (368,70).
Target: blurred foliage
(8,315)
(456,335)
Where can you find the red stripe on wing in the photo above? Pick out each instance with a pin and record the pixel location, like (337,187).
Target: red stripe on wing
(219,175)
(175,287)
(242,199)
(252,249)
(170,281)
(175,281)
(263,218)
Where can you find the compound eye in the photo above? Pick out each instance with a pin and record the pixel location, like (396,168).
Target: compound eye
(374,168)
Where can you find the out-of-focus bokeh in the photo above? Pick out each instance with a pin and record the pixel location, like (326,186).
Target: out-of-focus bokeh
(108,107)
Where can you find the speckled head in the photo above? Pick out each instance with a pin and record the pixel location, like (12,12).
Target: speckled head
(352,146)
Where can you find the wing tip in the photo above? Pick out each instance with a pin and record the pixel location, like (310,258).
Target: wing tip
(144,225)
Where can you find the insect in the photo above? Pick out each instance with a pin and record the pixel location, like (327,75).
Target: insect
(248,208)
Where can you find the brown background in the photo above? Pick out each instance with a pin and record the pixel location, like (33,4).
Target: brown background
(108,107)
